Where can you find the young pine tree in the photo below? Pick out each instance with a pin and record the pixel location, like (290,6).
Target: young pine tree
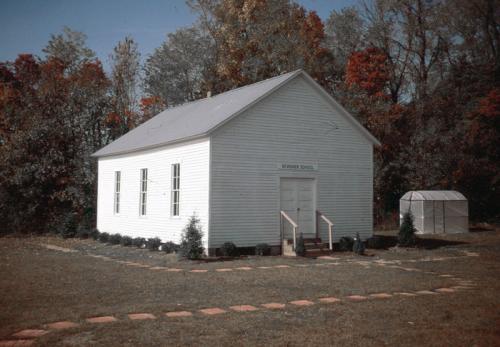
(300,249)
(191,241)
(406,236)
(359,246)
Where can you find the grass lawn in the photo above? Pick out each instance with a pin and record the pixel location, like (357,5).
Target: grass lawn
(41,286)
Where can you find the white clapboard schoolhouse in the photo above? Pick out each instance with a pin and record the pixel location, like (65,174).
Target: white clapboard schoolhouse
(256,164)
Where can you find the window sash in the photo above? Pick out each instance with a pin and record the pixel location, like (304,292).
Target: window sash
(117,192)
(175,197)
(144,192)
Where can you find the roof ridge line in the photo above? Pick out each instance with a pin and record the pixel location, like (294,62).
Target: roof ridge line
(230,90)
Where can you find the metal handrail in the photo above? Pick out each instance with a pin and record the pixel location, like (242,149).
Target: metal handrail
(330,228)
(294,226)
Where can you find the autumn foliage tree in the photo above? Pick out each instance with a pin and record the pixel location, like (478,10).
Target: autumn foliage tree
(52,116)
(367,70)
(422,76)
(257,39)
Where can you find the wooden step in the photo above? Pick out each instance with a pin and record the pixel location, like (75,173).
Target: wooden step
(306,241)
(317,253)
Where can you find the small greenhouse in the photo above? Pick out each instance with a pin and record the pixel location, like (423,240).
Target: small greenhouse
(436,211)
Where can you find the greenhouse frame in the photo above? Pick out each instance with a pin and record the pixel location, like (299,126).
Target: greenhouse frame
(436,211)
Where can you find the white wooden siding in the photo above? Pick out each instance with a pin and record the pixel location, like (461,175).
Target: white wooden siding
(193,158)
(293,125)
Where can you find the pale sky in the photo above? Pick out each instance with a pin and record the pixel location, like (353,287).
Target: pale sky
(26,25)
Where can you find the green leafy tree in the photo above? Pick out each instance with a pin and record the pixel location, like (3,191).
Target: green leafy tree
(125,74)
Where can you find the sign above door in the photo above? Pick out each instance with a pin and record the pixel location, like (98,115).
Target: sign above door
(298,167)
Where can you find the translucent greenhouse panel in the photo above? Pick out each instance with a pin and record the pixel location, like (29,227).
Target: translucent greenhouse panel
(428,212)
(438,217)
(456,225)
(418,215)
(456,208)
(403,207)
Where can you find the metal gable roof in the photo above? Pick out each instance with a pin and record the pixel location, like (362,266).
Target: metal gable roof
(437,195)
(198,118)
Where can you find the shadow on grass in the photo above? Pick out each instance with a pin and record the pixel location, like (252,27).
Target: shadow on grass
(437,243)
(388,241)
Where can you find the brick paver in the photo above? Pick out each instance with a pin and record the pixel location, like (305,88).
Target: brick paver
(16,343)
(223,270)
(461,287)
(178,314)
(198,271)
(302,303)
(62,325)
(212,311)
(329,300)
(173,270)
(141,316)
(405,294)
(244,268)
(102,319)
(30,333)
(445,290)
(274,305)
(425,292)
(243,308)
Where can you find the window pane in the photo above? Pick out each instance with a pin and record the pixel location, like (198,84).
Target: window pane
(143,195)
(117,192)
(175,189)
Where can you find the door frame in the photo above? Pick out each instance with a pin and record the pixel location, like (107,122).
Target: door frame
(296,175)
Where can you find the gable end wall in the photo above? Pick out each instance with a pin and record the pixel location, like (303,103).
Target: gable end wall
(295,124)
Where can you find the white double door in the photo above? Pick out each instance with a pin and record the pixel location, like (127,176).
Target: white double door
(298,200)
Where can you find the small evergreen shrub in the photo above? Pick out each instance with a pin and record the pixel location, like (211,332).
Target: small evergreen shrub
(406,235)
(115,239)
(70,226)
(64,224)
(82,233)
(104,237)
(229,249)
(170,247)
(138,242)
(94,233)
(153,244)
(262,249)
(126,241)
(300,248)
(358,246)
(375,242)
(191,241)
(346,243)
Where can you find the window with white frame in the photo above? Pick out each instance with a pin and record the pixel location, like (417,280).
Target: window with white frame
(118,177)
(176,175)
(144,192)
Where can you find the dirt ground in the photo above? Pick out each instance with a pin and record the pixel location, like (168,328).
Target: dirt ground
(47,279)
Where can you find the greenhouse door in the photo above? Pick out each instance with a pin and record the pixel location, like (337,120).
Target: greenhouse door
(438,217)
